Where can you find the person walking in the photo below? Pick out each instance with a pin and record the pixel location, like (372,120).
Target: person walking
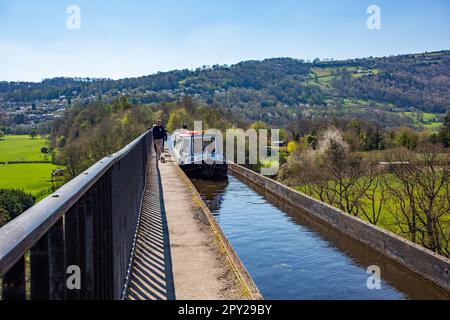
(159,136)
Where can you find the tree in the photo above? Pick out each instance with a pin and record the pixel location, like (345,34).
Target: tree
(332,173)
(178,118)
(405,137)
(75,158)
(444,133)
(434,138)
(4,217)
(121,104)
(14,202)
(292,146)
(259,125)
(346,171)
(187,104)
(33,133)
(2,117)
(420,189)
(19,119)
(375,194)
(2,134)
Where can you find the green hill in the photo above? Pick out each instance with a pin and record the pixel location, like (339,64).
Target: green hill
(278,90)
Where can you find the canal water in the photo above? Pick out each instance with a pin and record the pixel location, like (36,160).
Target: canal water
(291,256)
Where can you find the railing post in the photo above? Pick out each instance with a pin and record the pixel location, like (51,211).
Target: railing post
(72,251)
(108,237)
(89,292)
(103,239)
(96,196)
(56,258)
(101,235)
(81,211)
(39,270)
(14,282)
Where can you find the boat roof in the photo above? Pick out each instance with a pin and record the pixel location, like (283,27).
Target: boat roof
(189,133)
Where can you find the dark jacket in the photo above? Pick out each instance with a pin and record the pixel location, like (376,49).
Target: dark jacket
(159,133)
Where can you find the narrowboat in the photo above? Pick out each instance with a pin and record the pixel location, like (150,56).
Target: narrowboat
(199,155)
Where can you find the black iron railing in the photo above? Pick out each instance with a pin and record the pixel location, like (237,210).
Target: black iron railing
(86,228)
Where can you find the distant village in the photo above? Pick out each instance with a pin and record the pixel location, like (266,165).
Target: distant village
(25,115)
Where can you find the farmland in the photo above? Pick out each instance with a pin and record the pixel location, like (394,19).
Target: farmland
(22,149)
(33,178)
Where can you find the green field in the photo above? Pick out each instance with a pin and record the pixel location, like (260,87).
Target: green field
(34,178)
(429,121)
(325,75)
(387,219)
(31,178)
(22,148)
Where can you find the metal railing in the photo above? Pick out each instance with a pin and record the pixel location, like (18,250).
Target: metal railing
(89,225)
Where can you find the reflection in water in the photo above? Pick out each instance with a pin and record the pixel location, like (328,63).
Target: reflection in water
(212,193)
(292,256)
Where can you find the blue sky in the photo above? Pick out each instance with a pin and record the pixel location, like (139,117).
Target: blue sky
(138,37)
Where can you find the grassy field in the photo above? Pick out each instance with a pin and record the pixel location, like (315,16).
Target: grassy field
(325,75)
(34,178)
(429,121)
(22,148)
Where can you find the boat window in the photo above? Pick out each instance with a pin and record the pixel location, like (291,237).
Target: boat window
(185,146)
(209,145)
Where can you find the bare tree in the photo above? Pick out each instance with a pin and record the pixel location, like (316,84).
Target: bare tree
(332,173)
(375,194)
(347,182)
(421,198)
(316,184)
